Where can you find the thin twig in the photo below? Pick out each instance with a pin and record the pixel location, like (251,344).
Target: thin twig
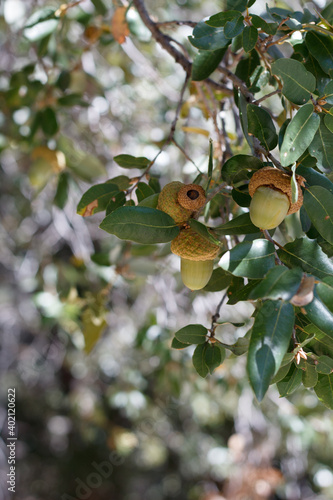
(237,83)
(216,315)
(269,238)
(258,101)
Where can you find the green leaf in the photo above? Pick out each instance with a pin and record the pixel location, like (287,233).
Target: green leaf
(84,165)
(314,178)
(128,161)
(279,283)
(214,356)
(246,67)
(323,343)
(241,197)
(219,280)
(250,37)
(72,100)
(203,230)
(271,333)
(250,259)
(140,224)
(328,121)
(281,373)
(236,169)
(309,376)
(322,147)
(240,347)
(117,201)
(234,27)
(324,390)
(222,18)
(122,181)
(325,292)
(239,225)
(320,316)
(243,293)
(176,344)
(143,191)
(307,254)
(205,63)
(299,134)
(328,92)
(318,203)
(321,47)
(260,124)
(259,22)
(41,24)
(324,365)
(291,382)
(298,83)
(192,334)
(199,360)
(48,121)
(61,196)
(150,201)
(96,199)
(207,38)
(237,4)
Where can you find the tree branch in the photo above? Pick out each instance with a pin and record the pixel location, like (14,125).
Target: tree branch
(166,42)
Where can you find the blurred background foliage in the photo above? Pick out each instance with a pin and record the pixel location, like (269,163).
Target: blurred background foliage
(71,99)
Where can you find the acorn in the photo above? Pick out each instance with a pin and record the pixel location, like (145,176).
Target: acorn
(271,194)
(181,201)
(197,257)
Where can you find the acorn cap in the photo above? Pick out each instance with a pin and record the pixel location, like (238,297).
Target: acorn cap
(168,202)
(276,179)
(192,246)
(192,197)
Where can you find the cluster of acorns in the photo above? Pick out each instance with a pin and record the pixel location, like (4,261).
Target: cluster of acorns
(271,194)
(197,254)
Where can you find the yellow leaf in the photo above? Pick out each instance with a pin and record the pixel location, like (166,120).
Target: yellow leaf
(196,130)
(92,328)
(89,209)
(56,159)
(119,26)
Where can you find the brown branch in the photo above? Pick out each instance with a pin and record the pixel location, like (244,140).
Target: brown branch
(166,42)
(237,83)
(165,24)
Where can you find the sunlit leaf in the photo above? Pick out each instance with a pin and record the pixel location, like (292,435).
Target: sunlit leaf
(318,203)
(298,83)
(299,134)
(250,259)
(271,333)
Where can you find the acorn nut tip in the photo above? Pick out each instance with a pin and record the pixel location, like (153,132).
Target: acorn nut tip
(197,258)
(271,194)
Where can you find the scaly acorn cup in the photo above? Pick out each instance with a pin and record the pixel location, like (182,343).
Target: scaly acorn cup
(181,201)
(197,257)
(271,194)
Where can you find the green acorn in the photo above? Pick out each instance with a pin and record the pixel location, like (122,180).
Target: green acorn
(197,257)
(181,201)
(271,194)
